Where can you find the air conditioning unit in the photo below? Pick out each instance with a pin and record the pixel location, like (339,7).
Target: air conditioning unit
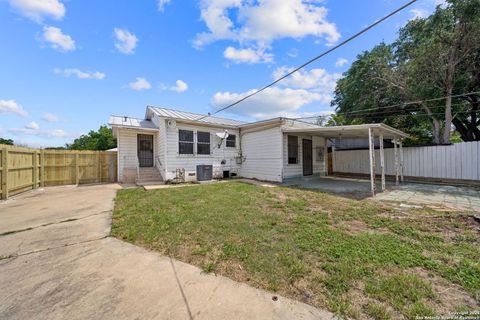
(172,124)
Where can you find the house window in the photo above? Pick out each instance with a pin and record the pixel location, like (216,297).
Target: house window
(185,142)
(231,141)
(292,150)
(203,142)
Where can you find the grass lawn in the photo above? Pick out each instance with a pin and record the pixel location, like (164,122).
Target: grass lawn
(357,258)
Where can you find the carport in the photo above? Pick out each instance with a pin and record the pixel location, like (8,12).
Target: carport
(367,131)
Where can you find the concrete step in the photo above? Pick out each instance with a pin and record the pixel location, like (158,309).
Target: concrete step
(150,179)
(141,176)
(150,183)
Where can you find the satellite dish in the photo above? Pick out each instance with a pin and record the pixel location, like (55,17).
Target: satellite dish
(222,135)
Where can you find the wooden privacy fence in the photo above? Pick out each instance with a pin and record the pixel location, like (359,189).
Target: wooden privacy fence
(24,169)
(459,161)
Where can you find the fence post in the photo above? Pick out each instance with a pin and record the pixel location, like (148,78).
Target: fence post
(35,169)
(42,168)
(77,169)
(100,167)
(4,173)
(97,160)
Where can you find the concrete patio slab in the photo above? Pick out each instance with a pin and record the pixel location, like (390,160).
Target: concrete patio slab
(454,197)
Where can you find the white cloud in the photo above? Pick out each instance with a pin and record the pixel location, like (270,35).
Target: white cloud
(247,55)
(54,133)
(287,98)
(140,84)
(271,102)
(57,39)
(50,117)
(180,86)
(264,21)
(32,125)
(319,80)
(162,4)
(38,9)
(126,41)
(341,62)
(80,74)
(10,106)
(419,13)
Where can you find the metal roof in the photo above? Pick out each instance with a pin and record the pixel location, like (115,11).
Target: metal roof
(189,116)
(352,131)
(292,125)
(134,123)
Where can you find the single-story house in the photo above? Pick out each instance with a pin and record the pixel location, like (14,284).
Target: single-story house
(184,146)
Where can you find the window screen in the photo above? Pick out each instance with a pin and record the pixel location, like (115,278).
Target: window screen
(292,150)
(203,142)
(185,142)
(231,141)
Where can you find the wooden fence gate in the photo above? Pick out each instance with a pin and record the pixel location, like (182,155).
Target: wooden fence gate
(24,169)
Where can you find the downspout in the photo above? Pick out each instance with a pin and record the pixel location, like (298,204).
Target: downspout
(240,152)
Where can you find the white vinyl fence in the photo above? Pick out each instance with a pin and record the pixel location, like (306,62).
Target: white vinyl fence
(459,161)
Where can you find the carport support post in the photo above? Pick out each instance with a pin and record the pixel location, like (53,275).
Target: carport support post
(401,160)
(382,161)
(371,152)
(395,150)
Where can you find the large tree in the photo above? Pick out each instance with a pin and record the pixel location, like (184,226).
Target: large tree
(432,58)
(102,139)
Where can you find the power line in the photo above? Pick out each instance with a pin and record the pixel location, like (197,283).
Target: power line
(401,104)
(361,113)
(313,59)
(392,115)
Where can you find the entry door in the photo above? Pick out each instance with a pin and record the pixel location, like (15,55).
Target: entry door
(307,157)
(145,150)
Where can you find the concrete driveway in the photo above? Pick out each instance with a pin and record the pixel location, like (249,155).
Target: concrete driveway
(57,261)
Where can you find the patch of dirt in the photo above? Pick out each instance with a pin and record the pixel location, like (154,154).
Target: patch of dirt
(303,291)
(355,227)
(234,270)
(281,196)
(450,296)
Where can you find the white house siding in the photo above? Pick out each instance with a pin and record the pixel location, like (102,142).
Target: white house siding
(127,150)
(262,154)
(296,170)
(174,160)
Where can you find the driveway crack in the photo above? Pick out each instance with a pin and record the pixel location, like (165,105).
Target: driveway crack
(14,256)
(6,233)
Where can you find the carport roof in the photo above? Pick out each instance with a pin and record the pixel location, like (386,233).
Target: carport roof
(353,131)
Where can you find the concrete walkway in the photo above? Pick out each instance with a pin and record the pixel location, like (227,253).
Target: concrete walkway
(57,262)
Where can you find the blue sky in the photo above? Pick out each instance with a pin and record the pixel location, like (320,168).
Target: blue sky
(66,66)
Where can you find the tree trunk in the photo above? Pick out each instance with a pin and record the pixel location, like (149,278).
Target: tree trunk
(448,116)
(436,131)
